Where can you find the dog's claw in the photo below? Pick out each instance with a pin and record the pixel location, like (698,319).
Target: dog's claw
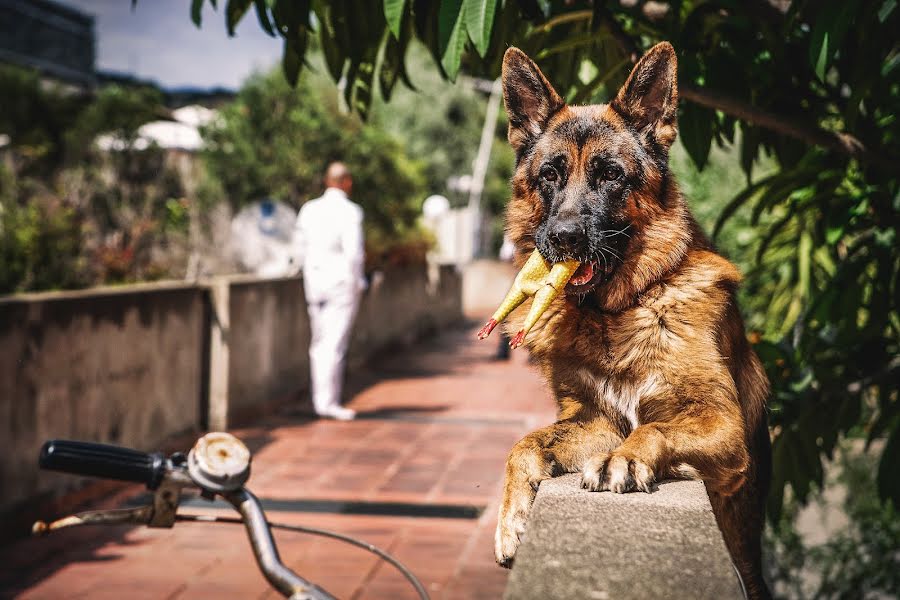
(617,474)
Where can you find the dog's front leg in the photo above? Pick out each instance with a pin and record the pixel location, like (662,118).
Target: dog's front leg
(562,447)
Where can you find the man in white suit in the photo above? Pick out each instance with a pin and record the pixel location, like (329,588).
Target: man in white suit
(328,242)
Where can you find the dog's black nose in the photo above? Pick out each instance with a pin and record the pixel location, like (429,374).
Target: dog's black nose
(569,236)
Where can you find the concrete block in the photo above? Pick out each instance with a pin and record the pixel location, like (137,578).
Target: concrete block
(604,546)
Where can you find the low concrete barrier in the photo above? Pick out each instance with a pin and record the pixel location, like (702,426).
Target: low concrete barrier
(134,365)
(267,353)
(117,365)
(582,545)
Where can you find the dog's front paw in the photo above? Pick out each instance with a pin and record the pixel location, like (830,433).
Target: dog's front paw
(510,527)
(616,473)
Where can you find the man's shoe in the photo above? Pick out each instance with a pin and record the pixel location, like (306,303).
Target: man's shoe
(338,413)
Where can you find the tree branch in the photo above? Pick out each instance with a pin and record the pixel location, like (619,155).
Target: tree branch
(840,142)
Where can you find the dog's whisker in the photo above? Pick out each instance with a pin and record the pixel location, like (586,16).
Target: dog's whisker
(605,264)
(615,232)
(614,253)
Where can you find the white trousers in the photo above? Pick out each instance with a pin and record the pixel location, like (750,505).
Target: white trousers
(331,323)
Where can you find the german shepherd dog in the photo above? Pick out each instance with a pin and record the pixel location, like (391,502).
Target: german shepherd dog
(645,352)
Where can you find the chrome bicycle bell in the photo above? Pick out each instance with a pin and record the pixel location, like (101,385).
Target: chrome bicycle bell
(219,462)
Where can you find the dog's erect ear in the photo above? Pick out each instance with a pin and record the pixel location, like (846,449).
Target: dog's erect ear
(529,97)
(650,94)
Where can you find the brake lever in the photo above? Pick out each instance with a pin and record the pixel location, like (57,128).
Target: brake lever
(161,513)
(167,496)
(140,515)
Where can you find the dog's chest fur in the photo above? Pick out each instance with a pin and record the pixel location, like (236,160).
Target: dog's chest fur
(619,363)
(618,366)
(618,396)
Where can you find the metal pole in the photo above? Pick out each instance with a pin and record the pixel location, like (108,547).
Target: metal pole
(479,169)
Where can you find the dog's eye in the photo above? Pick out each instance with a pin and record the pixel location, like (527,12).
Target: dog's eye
(549,174)
(610,173)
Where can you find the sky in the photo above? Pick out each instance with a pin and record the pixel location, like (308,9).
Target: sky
(158,41)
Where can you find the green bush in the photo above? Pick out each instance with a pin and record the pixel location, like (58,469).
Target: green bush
(40,245)
(859,559)
(73,215)
(275,141)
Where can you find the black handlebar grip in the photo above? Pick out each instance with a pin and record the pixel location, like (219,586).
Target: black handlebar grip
(102,460)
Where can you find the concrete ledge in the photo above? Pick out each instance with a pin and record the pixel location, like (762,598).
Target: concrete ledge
(133,365)
(589,545)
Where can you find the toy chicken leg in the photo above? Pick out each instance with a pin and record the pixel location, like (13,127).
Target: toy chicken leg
(535,279)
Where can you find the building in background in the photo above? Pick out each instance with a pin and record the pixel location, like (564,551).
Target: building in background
(55,39)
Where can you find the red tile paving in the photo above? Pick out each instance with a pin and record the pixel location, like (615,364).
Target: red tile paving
(461,412)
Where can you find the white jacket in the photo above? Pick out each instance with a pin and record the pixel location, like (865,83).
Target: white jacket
(329,247)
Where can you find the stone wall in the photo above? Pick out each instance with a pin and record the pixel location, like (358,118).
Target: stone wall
(122,366)
(267,346)
(134,365)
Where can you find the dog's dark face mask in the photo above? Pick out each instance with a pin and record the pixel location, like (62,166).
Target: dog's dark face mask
(590,166)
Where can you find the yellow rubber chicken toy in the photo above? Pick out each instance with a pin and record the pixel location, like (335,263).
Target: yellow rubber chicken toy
(535,279)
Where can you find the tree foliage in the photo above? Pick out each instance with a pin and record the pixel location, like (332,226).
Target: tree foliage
(813,85)
(275,141)
(858,558)
(440,124)
(70,215)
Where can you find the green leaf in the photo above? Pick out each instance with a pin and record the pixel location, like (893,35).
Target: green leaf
(335,40)
(234,12)
(738,201)
(696,128)
(888,482)
(886,9)
(361,98)
(292,58)
(833,234)
(393,14)
(262,13)
(479,22)
(451,35)
(821,60)
(196,11)
(334,60)
(832,23)
(291,16)
(391,66)
(750,142)
(773,231)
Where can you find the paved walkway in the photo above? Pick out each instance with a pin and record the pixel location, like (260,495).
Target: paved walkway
(437,423)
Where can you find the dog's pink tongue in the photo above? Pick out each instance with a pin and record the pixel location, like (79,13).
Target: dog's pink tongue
(583,274)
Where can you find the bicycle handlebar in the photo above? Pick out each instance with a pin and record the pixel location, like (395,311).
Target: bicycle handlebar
(218,464)
(101,460)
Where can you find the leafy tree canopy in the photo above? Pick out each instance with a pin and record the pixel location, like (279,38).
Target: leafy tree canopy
(814,85)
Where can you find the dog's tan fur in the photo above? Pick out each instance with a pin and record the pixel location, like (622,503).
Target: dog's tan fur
(654,377)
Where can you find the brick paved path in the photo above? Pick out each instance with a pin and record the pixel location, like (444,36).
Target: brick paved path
(438,421)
